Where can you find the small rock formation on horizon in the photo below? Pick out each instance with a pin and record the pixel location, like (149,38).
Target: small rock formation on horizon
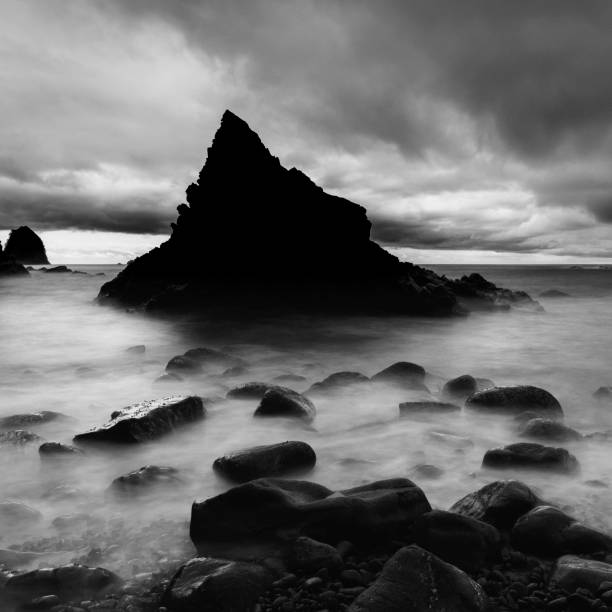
(8,265)
(256,237)
(26,247)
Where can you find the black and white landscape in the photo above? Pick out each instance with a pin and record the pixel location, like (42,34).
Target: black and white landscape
(305,306)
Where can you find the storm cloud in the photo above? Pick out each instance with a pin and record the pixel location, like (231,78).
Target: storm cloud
(476,125)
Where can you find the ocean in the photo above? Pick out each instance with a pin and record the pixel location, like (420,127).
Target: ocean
(61,351)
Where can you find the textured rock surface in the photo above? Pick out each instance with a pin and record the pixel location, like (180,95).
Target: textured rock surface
(549,429)
(274,508)
(500,503)
(147,420)
(572,572)
(414,580)
(265,461)
(260,256)
(514,400)
(26,247)
(145,479)
(527,455)
(279,402)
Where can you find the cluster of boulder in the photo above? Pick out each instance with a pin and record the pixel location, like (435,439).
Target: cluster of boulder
(260,259)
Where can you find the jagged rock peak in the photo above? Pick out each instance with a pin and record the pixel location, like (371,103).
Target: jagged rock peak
(26,247)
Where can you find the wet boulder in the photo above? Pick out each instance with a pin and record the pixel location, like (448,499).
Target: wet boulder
(308,555)
(546,531)
(337,382)
(426,471)
(68,582)
(514,400)
(182,365)
(19,421)
(460,388)
(56,450)
(572,573)
(603,394)
(403,374)
(197,360)
(251,390)
(15,514)
(424,408)
(147,420)
(269,509)
(144,480)
(18,437)
(414,580)
(205,584)
(528,455)
(549,430)
(464,541)
(265,461)
(285,403)
(500,503)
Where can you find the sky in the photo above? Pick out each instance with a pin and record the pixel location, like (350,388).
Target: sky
(477,131)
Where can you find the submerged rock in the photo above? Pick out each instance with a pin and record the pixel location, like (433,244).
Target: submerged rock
(271,509)
(137,349)
(514,400)
(57,270)
(205,584)
(414,580)
(464,541)
(55,450)
(18,437)
(426,471)
(145,479)
(279,402)
(18,421)
(500,503)
(549,532)
(147,420)
(289,378)
(549,429)
(14,514)
(252,390)
(408,409)
(554,293)
(68,582)
(603,393)
(265,461)
(270,264)
(529,455)
(338,381)
(403,374)
(26,247)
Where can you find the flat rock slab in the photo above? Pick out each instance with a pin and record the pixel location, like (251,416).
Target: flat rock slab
(147,420)
(549,532)
(205,584)
(500,503)
(67,582)
(273,509)
(19,421)
(527,455)
(414,580)
(514,400)
(266,461)
(572,572)
(407,409)
(285,403)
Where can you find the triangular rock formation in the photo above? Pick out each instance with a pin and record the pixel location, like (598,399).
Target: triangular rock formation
(257,236)
(8,265)
(26,247)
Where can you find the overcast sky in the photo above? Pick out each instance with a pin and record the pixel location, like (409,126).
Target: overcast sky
(476,131)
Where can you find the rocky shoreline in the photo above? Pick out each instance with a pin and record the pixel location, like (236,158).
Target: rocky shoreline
(273,542)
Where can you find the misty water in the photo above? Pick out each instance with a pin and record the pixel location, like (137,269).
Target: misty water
(61,351)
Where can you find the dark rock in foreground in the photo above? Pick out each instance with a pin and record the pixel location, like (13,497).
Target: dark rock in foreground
(271,509)
(336,382)
(529,455)
(26,247)
(213,585)
(549,532)
(266,461)
(500,503)
(146,421)
(464,541)
(145,479)
(270,265)
(279,402)
(67,582)
(408,409)
(514,400)
(573,573)
(550,430)
(414,580)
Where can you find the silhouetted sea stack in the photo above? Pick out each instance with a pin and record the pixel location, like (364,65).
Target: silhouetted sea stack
(8,265)
(255,236)
(26,247)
